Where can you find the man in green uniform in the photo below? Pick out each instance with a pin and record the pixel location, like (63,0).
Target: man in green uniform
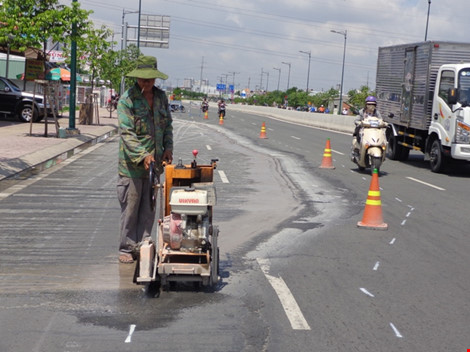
(146,132)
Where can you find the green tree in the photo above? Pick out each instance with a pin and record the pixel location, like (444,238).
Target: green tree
(94,47)
(31,23)
(357,97)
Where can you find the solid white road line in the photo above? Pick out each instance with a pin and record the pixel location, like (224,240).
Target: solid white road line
(223,177)
(427,184)
(295,137)
(131,331)
(288,302)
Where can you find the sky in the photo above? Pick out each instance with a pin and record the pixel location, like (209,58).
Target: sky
(250,43)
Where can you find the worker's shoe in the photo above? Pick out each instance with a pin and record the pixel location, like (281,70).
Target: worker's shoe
(126,258)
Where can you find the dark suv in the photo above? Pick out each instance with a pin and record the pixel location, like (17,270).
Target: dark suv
(15,102)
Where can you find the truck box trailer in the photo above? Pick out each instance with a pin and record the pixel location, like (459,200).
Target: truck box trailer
(423,92)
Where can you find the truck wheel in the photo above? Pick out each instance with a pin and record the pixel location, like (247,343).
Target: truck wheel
(404,154)
(437,159)
(27,112)
(396,151)
(393,148)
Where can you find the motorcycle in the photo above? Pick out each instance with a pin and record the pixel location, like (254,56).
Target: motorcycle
(112,103)
(222,111)
(369,146)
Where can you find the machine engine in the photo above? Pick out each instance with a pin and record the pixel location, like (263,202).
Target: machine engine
(188,227)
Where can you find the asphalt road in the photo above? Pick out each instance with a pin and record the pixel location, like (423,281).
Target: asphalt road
(297,273)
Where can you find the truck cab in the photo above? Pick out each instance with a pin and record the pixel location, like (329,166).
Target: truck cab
(451,110)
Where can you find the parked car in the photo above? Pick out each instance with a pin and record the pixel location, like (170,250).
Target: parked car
(15,102)
(177,106)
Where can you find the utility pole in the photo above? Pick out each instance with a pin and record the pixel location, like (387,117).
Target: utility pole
(309,53)
(279,77)
(226,81)
(267,81)
(261,81)
(233,78)
(200,81)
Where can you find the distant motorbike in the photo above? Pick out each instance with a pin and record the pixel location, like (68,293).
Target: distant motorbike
(112,103)
(222,111)
(368,149)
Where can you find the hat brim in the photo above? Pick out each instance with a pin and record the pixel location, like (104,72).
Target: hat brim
(147,73)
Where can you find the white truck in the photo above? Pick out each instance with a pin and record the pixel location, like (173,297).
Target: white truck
(423,92)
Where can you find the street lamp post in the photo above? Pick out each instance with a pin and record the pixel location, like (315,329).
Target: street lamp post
(309,53)
(288,76)
(279,77)
(427,21)
(345,34)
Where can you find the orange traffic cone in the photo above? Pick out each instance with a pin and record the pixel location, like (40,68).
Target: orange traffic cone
(372,218)
(262,134)
(221,120)
(327,162)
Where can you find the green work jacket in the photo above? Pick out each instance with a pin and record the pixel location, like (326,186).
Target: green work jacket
(143,132)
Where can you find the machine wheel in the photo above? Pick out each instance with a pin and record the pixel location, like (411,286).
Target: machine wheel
(152,289)
(437,159)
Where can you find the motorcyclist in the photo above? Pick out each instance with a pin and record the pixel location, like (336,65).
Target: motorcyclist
(205,105)
(370,109)
(221,105)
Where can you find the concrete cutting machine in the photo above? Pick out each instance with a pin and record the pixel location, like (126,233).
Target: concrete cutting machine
(185,247)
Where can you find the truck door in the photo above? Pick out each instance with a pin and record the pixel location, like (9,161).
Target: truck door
(442,110)
(407,86)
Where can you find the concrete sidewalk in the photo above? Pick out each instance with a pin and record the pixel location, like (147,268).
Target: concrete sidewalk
(22,153)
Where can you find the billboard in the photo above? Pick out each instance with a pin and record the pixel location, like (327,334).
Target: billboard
(154,31)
